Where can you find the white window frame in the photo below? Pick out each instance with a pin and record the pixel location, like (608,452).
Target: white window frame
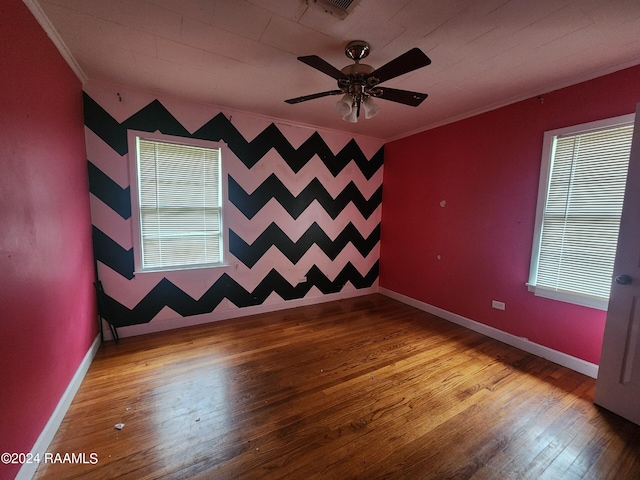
(548,151)
(132,137)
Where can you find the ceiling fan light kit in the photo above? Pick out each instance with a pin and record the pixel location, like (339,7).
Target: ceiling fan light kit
(359,82)
(370,107)
(345,105)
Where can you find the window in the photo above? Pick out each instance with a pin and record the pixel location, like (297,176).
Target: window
(176,192)
(582,183)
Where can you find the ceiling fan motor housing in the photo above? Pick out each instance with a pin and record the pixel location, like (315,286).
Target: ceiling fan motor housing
(357,80)
(358,69)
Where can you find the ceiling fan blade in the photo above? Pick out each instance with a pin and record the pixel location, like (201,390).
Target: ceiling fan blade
(314,96)
(325,67)
(412,99)
(405,63)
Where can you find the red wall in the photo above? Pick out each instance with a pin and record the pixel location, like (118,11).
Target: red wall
(486,168)
(47,304)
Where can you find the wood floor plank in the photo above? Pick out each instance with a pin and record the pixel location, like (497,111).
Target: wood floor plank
(359,388)
(542,426)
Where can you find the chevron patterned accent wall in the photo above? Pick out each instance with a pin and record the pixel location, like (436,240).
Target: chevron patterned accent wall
(301,204)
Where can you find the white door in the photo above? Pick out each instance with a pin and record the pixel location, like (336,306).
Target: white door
(618,384)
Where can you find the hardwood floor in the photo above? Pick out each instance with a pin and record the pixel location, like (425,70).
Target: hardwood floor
(362,388)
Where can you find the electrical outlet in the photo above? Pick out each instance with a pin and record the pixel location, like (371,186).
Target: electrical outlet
(497,305)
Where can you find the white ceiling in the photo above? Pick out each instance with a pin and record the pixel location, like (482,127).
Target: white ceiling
(242,54)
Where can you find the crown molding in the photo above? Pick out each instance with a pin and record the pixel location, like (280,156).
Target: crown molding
(52,33)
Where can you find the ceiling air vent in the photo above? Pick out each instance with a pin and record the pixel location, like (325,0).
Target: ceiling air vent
(337,8)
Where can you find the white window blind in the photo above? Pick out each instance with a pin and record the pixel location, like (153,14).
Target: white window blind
(180,205)
(577,238)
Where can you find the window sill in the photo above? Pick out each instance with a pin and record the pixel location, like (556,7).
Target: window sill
(569,297)
(189,268)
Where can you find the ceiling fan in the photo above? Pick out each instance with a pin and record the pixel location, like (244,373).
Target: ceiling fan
(360,83)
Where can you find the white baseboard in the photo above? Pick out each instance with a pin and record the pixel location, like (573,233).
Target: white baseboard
(170,324)
(574,363)
(46,436)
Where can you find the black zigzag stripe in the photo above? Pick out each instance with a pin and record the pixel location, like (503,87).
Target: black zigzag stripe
(348,274)
(274,236)
(167,294)
(111,254)
(272,187)
(116,197)
(149,119)
(220,128)
(156,117)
